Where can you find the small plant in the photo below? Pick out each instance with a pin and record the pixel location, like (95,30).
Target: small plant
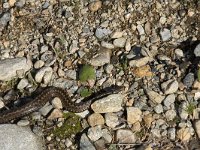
(86,73)
(190,108)
(71,126)
(86,92)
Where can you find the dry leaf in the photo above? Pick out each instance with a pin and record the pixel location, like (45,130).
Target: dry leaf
(144,71)
(184,134)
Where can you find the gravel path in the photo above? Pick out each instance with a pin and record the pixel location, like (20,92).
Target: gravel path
(150,47)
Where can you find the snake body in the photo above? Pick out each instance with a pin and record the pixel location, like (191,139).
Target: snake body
(47,95)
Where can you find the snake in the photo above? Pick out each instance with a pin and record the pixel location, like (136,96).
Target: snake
(48,94)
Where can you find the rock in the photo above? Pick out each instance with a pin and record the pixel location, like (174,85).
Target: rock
(134,115)
(136,127)
(10,67)
(140,29)
(116,35)
(101,33)
(170,115)
(68,142)
(71,74)
(22,84)
(107,135)
(125,136)
(156,133)
(197,50)
(85,143)
(45,109)
(182,110)
(162,20)
(102,58)
(100,144)
(184,134)
(45,74)
(4,19)
(188,80)
(169,101)
(112,120)
(95,119)
(38,64)
(165,34)
(94,133)
(109,68)
(140,62)
(158,109)
(56,103)
(11,2)
(148,119)
(172,133)
(197,127)
(128,45)
(170,86)
(95,6)
(55,114)
(111,103)
(23,123)
(179,53)
(107,45)
(155,97)
(20,138)
(120,42)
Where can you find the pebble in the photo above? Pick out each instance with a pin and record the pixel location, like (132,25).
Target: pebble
(111,120)
(165,34)
(11,2)
(94,133)
(170,114)
(5,18)
(170,86)
(169,101)
(85,143)
(136,127)
(172,133)
(140,29)
(107,45)
(125,136)
(10,67)
(23,123)
(116,35)
(197,50)
(56,113)
(56,103)
(45,109)
(140,62)
(111,103)
(102,58)
(102,32)
(109,68)
(134,115)
(44,74)
(184,134)
(95,119)
(68,142)
(197,127)
(72,74)
(158,109)
(107,135)
(148,119)
(20,138)
(95,6)
(22,84)
(38,64)
(179,53)
(188,80)
(182,110)
(120,42)
(155,97)
(128,45)
(156,133)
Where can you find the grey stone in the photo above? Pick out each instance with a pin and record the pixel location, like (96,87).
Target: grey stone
(22,84)
(155,97)
(125,136)
(172,133)
(120,42)
(71,74)
(116,35)
(169,101)
(101,33)
(112,120)
(23,122)
(19,138)
(188,80)
(44,74)
(170,114)
(5,18)
(170,86)
(165,34)
(102,58)
(107,45)
(140,29)
(158,109)
(140,62)
(94,133)
(85,143)
(10,67)
(197,50)
(111,103)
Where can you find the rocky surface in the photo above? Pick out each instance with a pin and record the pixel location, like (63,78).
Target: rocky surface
(155,57)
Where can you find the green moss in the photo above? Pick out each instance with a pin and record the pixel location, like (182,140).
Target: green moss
(190,108)
(71,126)
(86,92)
(86,73)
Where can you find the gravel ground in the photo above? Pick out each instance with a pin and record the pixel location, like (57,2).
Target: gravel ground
(151,47)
